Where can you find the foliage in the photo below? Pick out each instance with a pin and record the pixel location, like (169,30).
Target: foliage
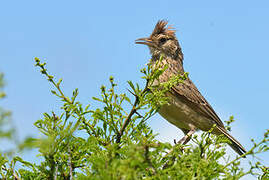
(115,142)
(5,129)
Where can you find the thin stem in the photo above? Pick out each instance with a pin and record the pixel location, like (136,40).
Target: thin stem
(132,112)
(70,164)
(60,91)
(239,157)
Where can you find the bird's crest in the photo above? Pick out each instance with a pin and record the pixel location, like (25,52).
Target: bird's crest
(161,29)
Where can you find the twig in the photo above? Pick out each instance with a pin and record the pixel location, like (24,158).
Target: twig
(131,92)
(166,165)
(139,114)
(132,112)
(147,159)
(88,125)
(127,121)
(70,165)
(56,172)
(241,156)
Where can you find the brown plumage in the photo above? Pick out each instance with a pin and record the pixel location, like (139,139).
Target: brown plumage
(187,109)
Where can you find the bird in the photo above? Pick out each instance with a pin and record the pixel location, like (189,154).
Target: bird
(187,109)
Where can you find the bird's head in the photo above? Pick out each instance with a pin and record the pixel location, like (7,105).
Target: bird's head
(162,41)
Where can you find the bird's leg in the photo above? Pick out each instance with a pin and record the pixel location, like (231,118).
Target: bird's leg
(187,136)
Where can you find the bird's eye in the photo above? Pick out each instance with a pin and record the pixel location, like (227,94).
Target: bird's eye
(163,40)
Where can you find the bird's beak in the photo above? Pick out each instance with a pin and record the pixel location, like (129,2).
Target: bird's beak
(145,41)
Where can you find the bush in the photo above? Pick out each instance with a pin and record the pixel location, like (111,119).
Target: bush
(115,142)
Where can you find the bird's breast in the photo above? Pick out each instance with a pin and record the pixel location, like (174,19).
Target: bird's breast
(183,116)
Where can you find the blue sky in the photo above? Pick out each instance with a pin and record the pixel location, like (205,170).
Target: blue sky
(225,45)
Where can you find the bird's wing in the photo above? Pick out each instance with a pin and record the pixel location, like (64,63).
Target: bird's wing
(188,92)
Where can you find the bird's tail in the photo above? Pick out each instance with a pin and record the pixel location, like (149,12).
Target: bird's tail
(235,145)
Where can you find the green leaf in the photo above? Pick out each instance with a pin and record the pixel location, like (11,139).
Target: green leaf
(131,85)
(97,99)
(59,82)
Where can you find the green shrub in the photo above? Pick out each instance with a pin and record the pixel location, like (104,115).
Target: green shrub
(115,142)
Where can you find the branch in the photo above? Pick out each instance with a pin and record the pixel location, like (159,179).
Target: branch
(132,112)
(251,151)
(70,165)
(50,79)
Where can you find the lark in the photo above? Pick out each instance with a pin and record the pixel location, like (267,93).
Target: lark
(187,108)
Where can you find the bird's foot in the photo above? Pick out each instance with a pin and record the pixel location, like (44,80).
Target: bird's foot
(186,138)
